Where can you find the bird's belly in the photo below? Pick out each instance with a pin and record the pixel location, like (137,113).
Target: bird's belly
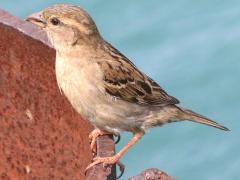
(99,111)
(92,103)
(116,116)
(102,112)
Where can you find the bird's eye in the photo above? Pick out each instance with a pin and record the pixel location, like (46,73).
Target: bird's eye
(55,21)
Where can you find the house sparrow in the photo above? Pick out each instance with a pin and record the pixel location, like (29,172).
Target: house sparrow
(102,84)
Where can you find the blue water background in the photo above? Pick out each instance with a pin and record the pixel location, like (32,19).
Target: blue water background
(192,49)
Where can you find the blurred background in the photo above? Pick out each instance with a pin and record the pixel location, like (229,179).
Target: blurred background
(191,48)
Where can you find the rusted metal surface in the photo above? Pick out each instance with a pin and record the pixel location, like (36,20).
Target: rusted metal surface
(41,136)
(151,174)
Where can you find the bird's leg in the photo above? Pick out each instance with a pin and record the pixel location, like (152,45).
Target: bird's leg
(114,159)
(93,138)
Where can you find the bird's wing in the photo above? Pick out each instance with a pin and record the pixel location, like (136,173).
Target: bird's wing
(124,81)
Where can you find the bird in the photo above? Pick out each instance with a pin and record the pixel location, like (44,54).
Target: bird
(103,85)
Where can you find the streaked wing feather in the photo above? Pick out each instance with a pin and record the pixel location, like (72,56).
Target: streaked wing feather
(124,81)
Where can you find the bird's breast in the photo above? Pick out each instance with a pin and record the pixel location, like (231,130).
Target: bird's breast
(79,80)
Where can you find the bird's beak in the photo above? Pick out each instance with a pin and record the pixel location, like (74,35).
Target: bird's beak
(37,18)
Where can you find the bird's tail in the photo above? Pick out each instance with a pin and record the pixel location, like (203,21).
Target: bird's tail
(195,117)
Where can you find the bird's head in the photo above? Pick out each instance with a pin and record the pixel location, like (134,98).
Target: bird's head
(66,25)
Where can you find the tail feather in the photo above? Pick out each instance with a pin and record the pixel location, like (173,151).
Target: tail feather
(192,116)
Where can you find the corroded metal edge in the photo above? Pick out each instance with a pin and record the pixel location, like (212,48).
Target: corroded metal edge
(25,27)
(105,144)
(152,174)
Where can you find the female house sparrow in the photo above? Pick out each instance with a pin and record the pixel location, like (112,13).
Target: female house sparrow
(102,84)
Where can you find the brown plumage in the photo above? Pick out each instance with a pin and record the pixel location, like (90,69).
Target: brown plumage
(124,81)
(102,84)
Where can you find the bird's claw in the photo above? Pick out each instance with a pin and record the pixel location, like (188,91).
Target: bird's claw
(118,138)
(121,168)
(93,139)
(107,161)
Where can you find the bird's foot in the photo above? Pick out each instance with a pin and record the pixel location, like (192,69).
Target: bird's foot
(93,139)
(107,161)
(118,138)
